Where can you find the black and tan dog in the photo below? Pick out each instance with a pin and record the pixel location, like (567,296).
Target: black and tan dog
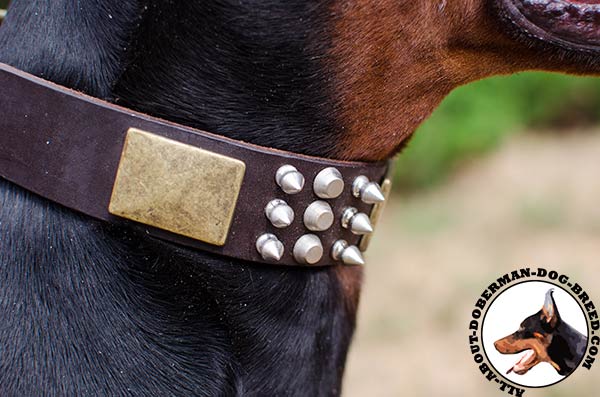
(90,308)
(545,337)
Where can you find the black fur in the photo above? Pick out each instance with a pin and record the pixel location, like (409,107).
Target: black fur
(92,309)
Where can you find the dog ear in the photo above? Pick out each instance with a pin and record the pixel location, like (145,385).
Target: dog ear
(549,311)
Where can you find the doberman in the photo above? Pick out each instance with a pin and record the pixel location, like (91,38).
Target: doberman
(90,308)
(545,337)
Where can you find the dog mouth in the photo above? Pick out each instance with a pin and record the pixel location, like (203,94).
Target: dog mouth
(574,24)
(525,363)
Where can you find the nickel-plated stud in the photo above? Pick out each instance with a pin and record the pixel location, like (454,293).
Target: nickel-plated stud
(269,247)
(358,222)
(279,213)
(308,249)
(329,183)
(348,254)
(318,217)
(289,179)
(369,192)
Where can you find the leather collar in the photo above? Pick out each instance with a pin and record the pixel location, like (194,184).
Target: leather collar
(182,185)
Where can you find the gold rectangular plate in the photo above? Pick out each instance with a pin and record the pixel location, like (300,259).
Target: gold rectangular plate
(176,187)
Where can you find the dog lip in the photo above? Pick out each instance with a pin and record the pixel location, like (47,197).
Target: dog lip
(524,363)
(573,24)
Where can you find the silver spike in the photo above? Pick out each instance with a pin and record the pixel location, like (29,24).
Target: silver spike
(308,249)
(318,217)
(348,254)
(347,216)
(358,222)
(369,192)
(353,256)
(279,213)
(329,183)
(289,179)
(361,224)
(372,194)
(338,248)
(269,247)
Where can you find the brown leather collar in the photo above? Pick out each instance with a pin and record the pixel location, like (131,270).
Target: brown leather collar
(179,184)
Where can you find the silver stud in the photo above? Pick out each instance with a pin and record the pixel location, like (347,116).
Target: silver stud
(308,249)
(289,179)
(348,254)
(358,222)
(279,213)
(318,217)
(269,247)
(369,192)
(361,224)
(329,183)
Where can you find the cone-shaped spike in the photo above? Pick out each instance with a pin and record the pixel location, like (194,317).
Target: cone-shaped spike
(361,224)
(353,256)
(272,250)
(292,182)
(347,216)
(282,216)
(289,179)
(269,247)
(372,194)
(279,213)
(338,248)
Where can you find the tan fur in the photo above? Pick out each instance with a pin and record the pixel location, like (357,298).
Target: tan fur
(350,280)
(395,60)
(512,345)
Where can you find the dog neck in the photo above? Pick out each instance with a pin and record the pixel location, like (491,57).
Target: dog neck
(253,71)
(135,306)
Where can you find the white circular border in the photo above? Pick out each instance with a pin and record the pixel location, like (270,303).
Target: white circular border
(504,317)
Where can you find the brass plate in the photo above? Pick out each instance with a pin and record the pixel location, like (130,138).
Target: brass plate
(386,188)
(176,187)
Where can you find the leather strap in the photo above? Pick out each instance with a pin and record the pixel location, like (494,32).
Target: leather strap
(66,146)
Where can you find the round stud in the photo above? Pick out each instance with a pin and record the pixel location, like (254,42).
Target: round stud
(279,213)
(308,249)
(269,247)
(289,179)
(318,217)
(348,254)
(329,183)
(368,192)
(359,223)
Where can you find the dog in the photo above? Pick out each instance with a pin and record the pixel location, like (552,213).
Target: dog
(93,308)
(546,337)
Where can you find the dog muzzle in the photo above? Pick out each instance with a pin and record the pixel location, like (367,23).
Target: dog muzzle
(183,185)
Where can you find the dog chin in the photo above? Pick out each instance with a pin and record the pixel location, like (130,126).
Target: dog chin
(573,25)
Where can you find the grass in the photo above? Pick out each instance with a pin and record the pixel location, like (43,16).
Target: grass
(476,118)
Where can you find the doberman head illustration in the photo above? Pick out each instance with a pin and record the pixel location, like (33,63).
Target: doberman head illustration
(545,337)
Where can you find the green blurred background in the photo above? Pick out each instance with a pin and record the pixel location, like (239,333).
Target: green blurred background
(478,117)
